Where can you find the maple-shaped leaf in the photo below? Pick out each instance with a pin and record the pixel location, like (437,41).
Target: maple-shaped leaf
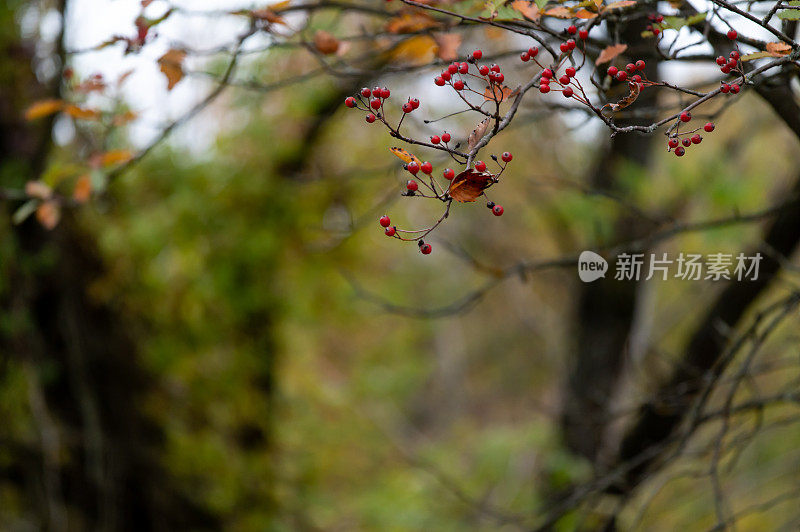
(467,186)
(610,52)
(171,64)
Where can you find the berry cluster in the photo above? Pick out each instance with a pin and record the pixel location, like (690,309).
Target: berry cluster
(457,74)
(656,19)
(678,142)
(631,70)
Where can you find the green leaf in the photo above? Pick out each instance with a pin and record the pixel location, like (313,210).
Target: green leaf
(674,23)
(694,19)
(756,55)
(789,14)
(541,3)
(25,210)
(647,34)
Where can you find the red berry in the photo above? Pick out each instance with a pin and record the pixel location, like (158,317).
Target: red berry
(725,88)
(686,142)
(497,210)
(439,80)
(686,116)
(622,75)
(679,151)
(732,35)
(640,65)
(385,221)
(506,156)
(567,92)
(458,85)
(495,68)
(547,73)
(463,68)
(583,35)
(426,167)
(453,68)
(480,166)
(656,31)
(413,167)
(407,107)
(569,71)
(721,60)
(734,88)
(445,137)
(564,47)
(564,80)
(370,118)
(483,70)
(533,52)
(445,75)
(673,143)
(731,64)
(659,18)
(709,127)
(612,71)
(696,138)
(414,102)
(544,88)
(385,93)
(449,174)
(412,185)
(734,55)
(571,44)
(350,102)
(525,57)
(572,30)
(499,77)
(425,249)
(375,103)
(365,92)
(725,70)
(477,54)
(637,78)
(435,139)
(631,68)
(390,231)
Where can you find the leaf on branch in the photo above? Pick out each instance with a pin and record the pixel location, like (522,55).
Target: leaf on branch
(48,214)
(43,108)
(448,45)
(585,14)
(610,52)
(113,157)
(417,50)
(619,4)
(325,43)
(410,23)
(529,10)
(498,94)
(38,189)
(558,12)
(778,48)
(82,114)
(755,55)
(789,14)
(404,155)
(171,64)
(469,185)
(267,14)
(634,88)
(83,189)
(478,133)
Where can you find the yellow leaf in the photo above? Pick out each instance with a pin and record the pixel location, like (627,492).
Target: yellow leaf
(83,189)
(280,6)
(113,157)
(417,50)
(610,52)
(43,108)
(529,10)
(620,4)
(325,43)
(585,14)
(38,189)
(81,114)
(48,214)
(448,45)
(558,12)
(404,155)
(171,64)
(410,23)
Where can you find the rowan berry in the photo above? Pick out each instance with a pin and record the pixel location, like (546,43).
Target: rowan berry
(477,54)
(365,92)
(640,65)
(734,88)
(686,116)
(414,102)
(525,57)
(350,102)
(483,69)
(572,30)
(673,143)
(452,68)
(569,71)
(696,138)
(448,174)
(721,60)
(463,68)
(631,68)
(412,185)
(544,88)
(480,166)
(732,35)
(385,93)
(435,139)
(375,103)
(446,75)
(583,35)
(439,80)
(734,55)
(426,167)
(495,67)
(547,73)
(564,80)
(425,249)
(679,151)
(725,88)
(458,85)
(370,118)
(709,127)
(612,71)
(385,221)
(445,137)
(506,156)
(413,167)
(390,231)
(533,52)
(567,92)
(687,142)
(497,210)
(622,75)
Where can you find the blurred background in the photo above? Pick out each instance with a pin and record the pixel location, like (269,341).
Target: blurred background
(225,339)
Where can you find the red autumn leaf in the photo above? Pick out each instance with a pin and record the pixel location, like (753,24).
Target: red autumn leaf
(469,185)
(610,52)
(171,64)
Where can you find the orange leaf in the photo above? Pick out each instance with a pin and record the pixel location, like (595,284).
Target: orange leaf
(478,133)
(558,12)
(43,108)
(778,48)
(610,52)
(620,4)
(268,15)
(171,64)
(585,14)
(417,50)
(38,189)
(82,114)
(405,156)
(48,214)
(325,43)
(83,189)
(469,185)
(528,10)
(410,23)
(113,157)
(124,118)
(498,94)
(634,89)
(448,45)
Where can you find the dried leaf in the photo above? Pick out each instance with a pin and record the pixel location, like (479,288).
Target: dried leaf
(558,12)
(469,185)
(619,4)
(325,43)
(755,55)
(585,14)
(83,189)
(404,155)
(417,50)
(113,157)
(448,45)
(124,118)
(410,23)
(478,133)
(171,64)
(610,52)
(529,10)
(627,100)
(269,15)
(498,94)
(38,189)
(48,214)
(82,114)
(778,48)
(43,108)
